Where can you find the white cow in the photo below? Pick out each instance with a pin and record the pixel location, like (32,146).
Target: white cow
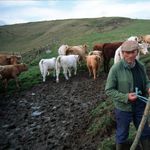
(45,65)
(142,49)
(66,62)
(62,49)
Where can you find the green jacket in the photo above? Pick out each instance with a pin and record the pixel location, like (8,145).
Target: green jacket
(120,83)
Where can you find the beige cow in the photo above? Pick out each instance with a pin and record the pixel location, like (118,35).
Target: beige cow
(93,65)
(80,50)
(145,38)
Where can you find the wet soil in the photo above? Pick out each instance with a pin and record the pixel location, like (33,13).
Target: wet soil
(51,116)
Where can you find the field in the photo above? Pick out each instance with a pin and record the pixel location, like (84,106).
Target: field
(75,114)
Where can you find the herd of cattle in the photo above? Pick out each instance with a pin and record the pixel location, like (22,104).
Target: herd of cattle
(68,58)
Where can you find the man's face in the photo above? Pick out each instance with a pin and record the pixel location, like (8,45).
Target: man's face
(130,56)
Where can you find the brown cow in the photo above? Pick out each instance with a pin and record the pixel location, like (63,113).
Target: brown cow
(98,47)
(93,65)
(109,52)
(8,72)
(6,59)
(80,50)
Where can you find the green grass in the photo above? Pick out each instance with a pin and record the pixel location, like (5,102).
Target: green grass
(107,143)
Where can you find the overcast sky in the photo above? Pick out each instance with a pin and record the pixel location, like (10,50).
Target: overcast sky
(22,11)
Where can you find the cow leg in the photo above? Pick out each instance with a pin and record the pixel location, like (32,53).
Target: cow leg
(44,77)
(17,82)
(90,73)
(75,69)
(94,73)
(97,73)
(98,70)
(48,73)
(54,73)
(105,64)
(65,73)
(57,74)
(44,74)
(69,70)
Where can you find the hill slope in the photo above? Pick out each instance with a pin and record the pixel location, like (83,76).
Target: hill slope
(28,36)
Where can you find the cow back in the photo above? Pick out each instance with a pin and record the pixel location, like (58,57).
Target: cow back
(98,47)
(110,48)
(80,50)
(9,59)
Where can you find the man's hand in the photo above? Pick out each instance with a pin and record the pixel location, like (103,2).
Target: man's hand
(132,97)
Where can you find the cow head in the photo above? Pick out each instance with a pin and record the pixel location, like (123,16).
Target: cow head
(85,48)
(14,59)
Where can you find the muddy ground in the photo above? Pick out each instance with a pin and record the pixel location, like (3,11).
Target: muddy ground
(51,116)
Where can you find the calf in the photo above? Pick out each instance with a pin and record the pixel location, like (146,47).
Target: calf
(66,62)
(45,65)
(8,72)
(93,65)
(6,59)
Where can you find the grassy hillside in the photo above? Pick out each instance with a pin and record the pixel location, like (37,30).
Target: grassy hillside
(28,36)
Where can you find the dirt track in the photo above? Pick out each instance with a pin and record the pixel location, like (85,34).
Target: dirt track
(51,116)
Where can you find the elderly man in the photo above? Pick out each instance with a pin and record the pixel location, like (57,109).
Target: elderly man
(122,80)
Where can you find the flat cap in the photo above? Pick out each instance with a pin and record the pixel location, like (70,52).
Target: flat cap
(129,46)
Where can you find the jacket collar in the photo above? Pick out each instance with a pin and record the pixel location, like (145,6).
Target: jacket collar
(126,65)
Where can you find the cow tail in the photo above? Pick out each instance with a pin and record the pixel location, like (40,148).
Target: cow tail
(90,53)
(58,62)
(41,66)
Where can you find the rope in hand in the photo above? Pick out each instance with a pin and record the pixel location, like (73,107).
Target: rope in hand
(144,118)
(144,99)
